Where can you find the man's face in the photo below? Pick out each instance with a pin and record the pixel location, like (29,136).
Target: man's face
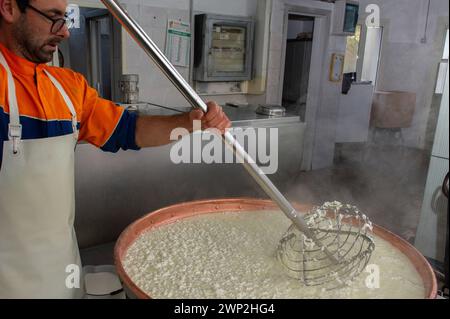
(32,30)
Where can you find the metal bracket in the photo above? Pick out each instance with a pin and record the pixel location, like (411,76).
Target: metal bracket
(15,134)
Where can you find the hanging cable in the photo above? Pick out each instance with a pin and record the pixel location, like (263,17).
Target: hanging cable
(424,38)
(166,107)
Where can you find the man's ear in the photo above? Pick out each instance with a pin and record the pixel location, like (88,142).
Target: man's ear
(9,10)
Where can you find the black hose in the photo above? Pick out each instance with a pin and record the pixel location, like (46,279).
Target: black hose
(445,185)
(446,261)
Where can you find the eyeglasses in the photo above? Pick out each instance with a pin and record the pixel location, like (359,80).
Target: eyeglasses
(58,24)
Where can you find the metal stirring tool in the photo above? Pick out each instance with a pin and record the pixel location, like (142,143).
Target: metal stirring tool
(311,234)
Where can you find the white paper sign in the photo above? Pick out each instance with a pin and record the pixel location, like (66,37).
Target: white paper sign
(178,43)
(73,12)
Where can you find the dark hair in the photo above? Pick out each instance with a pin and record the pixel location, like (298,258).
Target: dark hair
(22,4)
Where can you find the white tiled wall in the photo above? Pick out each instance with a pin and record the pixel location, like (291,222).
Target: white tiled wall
(406,63)
(154,87)
(153,16)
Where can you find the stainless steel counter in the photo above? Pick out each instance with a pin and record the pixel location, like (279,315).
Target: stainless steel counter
(239,116)
(113,190)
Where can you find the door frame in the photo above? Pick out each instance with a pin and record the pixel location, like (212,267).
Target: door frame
(92,24)
(321,34)
(117,45)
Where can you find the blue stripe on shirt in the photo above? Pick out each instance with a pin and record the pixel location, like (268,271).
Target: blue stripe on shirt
(122,138)
(35,128)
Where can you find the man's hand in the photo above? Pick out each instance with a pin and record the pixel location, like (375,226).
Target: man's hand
(214,118)
(156,130)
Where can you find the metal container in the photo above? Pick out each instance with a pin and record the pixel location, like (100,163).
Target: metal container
(173,213)
(271,110)
(129,87)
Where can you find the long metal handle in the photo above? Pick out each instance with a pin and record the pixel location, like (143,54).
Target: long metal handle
(192,97)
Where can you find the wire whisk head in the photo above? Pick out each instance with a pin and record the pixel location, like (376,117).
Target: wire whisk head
(344,231)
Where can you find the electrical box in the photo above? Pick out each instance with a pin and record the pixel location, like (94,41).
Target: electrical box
(345,18)
(223,48)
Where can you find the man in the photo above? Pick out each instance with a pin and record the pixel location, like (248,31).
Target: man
(44,111)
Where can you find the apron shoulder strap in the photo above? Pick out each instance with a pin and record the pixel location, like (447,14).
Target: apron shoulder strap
(67,100)
(14,128)
(12,98)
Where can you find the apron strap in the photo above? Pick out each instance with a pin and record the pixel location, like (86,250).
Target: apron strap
(14,128)
(68,103)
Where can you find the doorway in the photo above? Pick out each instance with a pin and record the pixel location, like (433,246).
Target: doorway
(321,15)
(299,44)
(94,50)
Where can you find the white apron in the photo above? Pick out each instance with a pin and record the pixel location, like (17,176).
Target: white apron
(37,207)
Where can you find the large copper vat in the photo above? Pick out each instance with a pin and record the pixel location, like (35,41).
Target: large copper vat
(173,213)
